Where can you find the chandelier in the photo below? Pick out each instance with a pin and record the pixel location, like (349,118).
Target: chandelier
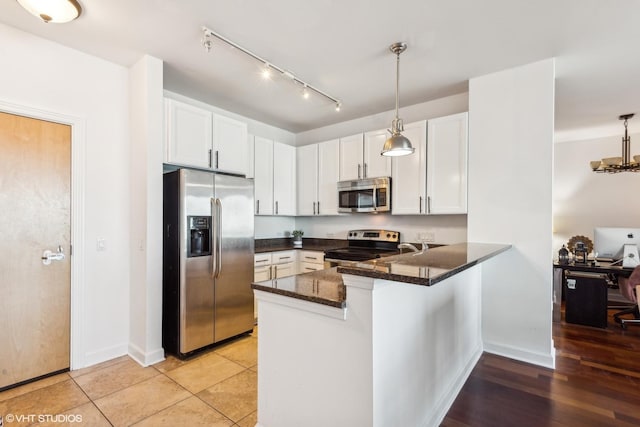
(619,164)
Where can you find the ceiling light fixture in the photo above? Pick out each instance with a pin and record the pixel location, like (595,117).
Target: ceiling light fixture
(397,145)
(305,92)
(58,11)
(269,66)
(619,164)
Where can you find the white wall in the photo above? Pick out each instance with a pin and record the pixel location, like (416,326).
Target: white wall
(583,199)
(447,229)
(39,74)
(511,124)
(146,96)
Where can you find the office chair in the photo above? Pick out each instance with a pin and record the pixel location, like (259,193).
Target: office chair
(630,289)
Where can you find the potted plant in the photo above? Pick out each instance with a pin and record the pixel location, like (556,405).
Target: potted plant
(297,238)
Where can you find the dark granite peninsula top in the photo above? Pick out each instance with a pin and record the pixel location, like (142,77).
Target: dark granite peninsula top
(322,286)
(426,268)
(286,243)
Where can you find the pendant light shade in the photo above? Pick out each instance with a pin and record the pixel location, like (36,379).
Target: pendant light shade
(397,144)
(57,11)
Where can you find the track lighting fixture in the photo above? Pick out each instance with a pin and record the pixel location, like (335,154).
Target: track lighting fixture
(267,67)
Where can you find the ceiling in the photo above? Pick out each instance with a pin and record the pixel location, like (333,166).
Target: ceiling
(341,47)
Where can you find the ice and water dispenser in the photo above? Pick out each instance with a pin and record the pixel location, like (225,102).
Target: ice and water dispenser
(199,236)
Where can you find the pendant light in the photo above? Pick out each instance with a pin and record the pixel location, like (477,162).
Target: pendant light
(397,145)
(57,11)
(623,163)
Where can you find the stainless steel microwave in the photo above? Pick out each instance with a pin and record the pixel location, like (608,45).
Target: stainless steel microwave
(365,195)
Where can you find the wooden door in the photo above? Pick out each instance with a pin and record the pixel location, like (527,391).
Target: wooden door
(35,199)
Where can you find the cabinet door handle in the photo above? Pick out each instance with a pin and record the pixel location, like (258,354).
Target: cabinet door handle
(284,257)
(365,171)
(276,207)
(420,205)
(310,257)
(428,204)
(209,158)
(257,207)
(262,260)
(314,208)
(358,170)
(275,271)
(318,207)
(217,156)
(270,273)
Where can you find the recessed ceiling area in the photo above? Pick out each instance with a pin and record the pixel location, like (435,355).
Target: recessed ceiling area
(342,48)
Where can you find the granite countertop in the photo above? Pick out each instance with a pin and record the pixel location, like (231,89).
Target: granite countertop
(426,268)
(322,287)
(286,243)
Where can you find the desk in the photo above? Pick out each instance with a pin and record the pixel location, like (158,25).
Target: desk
(588,297)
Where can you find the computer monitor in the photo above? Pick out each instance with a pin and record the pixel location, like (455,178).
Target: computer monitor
(609,241)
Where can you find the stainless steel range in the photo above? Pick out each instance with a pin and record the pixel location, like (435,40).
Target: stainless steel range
(364,245)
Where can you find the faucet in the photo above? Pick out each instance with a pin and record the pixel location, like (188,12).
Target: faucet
(412,247)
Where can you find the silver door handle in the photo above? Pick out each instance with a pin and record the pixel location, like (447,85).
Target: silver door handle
(365,170)
(214,258)
(314,208)
(48,256)
(428,204)
(358,170)
(209,158)
(420,205)
(276,207)
(218,240)
(257,207)
(318,207)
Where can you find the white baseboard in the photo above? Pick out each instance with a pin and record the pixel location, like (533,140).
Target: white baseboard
(442,408)
(102,355)
(541,359)
(148,358)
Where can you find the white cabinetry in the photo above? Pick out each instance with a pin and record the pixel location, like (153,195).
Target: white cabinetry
(317,167)
(447,142)
(433,180)
(263,176)
(284,179)
(360,156)
(274,173)
(310,261)
(197,137)
(274,265)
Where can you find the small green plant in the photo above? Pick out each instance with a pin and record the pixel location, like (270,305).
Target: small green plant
(297,233)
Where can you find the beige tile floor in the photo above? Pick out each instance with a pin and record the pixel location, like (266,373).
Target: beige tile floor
(216,388)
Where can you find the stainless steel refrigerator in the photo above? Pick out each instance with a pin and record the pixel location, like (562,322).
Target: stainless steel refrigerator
(207,259)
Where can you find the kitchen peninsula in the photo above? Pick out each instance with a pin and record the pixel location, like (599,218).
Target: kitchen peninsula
(386,342)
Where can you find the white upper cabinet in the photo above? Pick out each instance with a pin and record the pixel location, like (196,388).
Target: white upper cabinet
(375,164)
(447,142)
(351,157)
(408,181)
(307,165)
(432,180)
(274,173)
(263,176)
(360,156)
(328,177)
(318,175)
(197,137)
(284,179)
(229,144)
(188,134)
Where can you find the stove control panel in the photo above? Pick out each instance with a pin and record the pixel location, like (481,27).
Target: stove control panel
(374,235)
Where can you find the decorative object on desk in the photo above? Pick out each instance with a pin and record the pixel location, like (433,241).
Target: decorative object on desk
(580,252)
(580,247)
(619,164)
(563,255)
(297,238)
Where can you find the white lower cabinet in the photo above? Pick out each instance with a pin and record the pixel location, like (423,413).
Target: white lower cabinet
(310,261)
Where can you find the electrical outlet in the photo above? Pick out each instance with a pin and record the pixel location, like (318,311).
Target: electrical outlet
(427,236)
(101,245)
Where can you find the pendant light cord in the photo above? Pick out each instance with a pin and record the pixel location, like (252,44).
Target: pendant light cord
(397,81)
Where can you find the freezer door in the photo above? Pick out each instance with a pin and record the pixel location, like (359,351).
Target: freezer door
(197,283)
(233,256)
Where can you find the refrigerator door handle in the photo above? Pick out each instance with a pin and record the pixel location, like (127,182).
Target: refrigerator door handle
(214,261)
(218,238)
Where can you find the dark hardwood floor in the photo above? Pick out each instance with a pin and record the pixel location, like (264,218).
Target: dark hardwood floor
(596,383)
